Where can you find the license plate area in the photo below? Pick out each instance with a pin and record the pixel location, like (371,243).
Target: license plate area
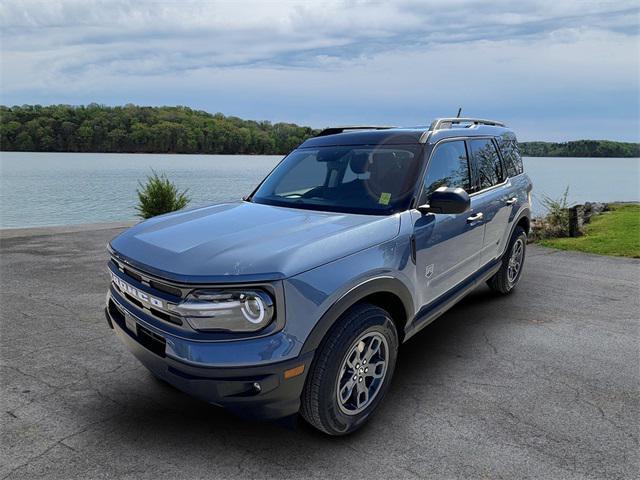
(130,323)
(152,341)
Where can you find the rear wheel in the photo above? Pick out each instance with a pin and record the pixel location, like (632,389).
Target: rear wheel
(505,279)
(352,371)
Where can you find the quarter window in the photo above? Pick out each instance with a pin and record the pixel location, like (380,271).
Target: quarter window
(448,167)
(511,157)
(485,163)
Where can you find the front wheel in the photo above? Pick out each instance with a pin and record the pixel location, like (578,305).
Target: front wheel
(352,371)
(505,279)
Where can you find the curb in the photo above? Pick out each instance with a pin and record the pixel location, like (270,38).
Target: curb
(45,231)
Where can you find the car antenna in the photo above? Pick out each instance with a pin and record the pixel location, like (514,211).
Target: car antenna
(459,112)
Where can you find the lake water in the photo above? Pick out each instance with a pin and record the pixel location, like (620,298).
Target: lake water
(38,189)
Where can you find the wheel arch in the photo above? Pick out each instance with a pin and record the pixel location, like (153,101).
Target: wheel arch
(522,219)
(525,222)
(386,292)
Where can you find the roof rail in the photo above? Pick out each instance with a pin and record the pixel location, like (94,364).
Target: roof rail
(442,123)
(334,130)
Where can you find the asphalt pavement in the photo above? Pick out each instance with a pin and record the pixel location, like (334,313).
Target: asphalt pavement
(544,383)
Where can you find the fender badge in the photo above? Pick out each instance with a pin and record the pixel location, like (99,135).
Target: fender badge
(429,271)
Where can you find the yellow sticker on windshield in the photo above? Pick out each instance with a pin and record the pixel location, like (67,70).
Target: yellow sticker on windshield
(384,198)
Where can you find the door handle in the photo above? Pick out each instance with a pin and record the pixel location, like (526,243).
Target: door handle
(475,218)
(512,200)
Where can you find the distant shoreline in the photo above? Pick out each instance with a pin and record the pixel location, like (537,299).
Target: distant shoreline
(260,154)
(181,130)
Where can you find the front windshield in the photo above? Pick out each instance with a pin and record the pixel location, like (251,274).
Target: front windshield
(376,180)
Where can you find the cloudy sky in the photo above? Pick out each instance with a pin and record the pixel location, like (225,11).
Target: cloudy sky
(554,70)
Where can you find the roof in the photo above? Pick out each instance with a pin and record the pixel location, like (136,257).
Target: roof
(363,135)
(390,136)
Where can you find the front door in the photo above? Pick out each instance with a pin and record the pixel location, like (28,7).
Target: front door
(447,246)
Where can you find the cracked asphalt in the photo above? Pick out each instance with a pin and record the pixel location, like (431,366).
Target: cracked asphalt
(541,384)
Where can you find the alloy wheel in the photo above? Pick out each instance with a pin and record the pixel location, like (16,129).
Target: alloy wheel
(362,373)
(515,261)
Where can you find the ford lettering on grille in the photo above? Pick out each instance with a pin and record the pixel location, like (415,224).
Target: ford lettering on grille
(135,293)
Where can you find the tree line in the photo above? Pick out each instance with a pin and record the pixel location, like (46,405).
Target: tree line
(580,148)
(136,129)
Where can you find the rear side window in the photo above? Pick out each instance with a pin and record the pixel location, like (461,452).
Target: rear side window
(448,167)
(485,164)
(511,157)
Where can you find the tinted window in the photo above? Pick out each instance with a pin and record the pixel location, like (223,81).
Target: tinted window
(511,157)
(359,179)
(448,167)
(485,163)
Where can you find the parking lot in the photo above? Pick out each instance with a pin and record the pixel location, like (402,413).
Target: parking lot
(541,384)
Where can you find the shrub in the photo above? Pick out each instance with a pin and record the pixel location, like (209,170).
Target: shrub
(159,195)
(556,222)
(558,212)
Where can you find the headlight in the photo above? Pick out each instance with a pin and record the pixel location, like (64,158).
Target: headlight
(230,310)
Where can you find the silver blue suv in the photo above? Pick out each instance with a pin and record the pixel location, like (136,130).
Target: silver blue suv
(297,298)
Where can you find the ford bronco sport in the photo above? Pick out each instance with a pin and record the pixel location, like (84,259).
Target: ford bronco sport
(297,297)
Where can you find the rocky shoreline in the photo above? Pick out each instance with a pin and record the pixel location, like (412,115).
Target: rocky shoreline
(570,221)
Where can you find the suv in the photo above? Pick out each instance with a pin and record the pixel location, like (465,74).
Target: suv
(297,297)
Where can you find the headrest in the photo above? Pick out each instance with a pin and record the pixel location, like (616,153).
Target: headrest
(384,163)
(388,173)
(359,162)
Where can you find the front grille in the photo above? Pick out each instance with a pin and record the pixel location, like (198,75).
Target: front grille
(137,303)
(146,337)
(165,288)
(142,282)
(165,316)
(115,312)
(148,279)
(132,274)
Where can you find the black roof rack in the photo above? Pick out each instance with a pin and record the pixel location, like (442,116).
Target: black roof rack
(442,123)
(334,130)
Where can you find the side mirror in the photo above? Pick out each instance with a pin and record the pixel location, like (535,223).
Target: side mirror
(447,200)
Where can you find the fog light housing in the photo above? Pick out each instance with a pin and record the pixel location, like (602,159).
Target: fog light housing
(227,310)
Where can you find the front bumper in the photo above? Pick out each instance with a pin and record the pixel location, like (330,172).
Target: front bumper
(256,391)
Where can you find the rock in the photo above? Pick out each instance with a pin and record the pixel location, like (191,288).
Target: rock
(576,220)
(593,208)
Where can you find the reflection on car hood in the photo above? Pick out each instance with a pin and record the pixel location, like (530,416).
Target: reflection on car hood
(247,241)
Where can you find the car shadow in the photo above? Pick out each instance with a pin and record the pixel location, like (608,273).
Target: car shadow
(174,412)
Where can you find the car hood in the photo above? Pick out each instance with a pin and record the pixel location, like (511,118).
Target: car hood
(239,242)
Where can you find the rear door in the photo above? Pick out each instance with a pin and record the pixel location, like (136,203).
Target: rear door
(516,192)
(490,195)
(447,246)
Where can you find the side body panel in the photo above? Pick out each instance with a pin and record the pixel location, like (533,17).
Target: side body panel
(447,251)
(311,294)
(518,189)
(492,204)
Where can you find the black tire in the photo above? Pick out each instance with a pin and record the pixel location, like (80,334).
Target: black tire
(319,403)
(504,281)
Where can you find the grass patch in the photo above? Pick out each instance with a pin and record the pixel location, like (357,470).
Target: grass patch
(616,232)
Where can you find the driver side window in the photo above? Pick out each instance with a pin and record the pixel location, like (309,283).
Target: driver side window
(448,167)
